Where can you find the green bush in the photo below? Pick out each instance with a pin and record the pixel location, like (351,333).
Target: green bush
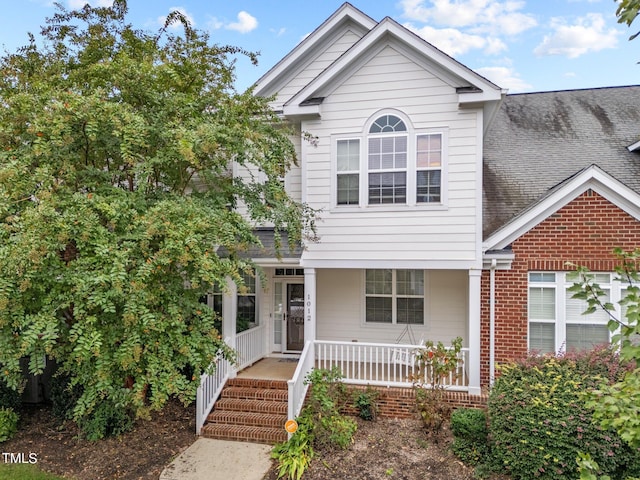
(106,420)
(366,403)
(64,397)
(294,455)
(469,428)
(320,424)
(8,423)
(539,421)
(327,398)
(9,398)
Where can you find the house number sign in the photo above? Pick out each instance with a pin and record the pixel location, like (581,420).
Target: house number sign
(308,307)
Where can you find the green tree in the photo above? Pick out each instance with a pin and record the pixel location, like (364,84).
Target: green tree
(627,12)
(116,192)
(618,405)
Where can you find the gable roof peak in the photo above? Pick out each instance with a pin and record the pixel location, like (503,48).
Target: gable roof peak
(346,14)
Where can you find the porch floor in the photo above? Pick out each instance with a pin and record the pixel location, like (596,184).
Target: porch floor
(271,368)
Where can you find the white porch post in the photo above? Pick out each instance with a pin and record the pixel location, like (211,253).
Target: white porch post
(309,304)
(474,331)
(229,316)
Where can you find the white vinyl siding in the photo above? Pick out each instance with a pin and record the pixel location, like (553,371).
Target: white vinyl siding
(439,233)
(341,308)
(557,321)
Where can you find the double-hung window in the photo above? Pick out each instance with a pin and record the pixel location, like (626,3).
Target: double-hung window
(557,321)
(348,171)
(390,164)
(387,161)
(247,306)
(394,296)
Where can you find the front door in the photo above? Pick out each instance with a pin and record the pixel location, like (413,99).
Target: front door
(295,317)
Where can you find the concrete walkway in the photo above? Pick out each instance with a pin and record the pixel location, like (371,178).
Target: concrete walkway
(209,459)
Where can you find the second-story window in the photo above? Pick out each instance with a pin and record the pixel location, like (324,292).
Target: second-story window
(348,163)
(390,163)
(387,161)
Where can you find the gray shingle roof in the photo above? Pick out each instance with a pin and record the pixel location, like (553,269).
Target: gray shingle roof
(538,140)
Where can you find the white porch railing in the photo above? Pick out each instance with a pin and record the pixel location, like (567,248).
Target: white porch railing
(388,365)
(297,387)
(210,388)
(250,346)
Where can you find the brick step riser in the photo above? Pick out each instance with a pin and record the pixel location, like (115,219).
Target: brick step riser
(255,394)
(240,405)
(268,436)
(248,419)
(258,383)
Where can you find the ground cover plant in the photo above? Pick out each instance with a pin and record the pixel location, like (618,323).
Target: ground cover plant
(321,424)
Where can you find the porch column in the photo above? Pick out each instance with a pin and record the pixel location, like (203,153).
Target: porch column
(309,304)
(229,315)
(473,362)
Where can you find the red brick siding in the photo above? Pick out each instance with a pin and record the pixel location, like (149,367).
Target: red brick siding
(396,402)
(583,232)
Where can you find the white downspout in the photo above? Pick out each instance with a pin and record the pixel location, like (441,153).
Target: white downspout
(492,321)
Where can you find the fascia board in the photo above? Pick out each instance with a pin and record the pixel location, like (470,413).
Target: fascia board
(307,45)
(633,147)
(592,178)
(416,43)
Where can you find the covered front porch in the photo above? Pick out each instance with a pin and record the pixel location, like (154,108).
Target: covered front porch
(383,365)
(344,317)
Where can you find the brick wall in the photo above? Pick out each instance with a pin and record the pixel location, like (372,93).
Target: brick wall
(396,402)
(583,232)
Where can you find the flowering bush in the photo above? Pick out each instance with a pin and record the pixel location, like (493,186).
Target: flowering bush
(540,422)
(435,363)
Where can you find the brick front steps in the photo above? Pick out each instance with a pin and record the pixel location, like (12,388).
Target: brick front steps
(249,410)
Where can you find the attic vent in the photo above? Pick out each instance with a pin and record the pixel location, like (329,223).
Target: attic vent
(469,89)
(312,101)
(589,193)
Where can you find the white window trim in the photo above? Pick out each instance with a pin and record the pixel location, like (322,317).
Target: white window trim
(411,169)
(394,296)
(562,282)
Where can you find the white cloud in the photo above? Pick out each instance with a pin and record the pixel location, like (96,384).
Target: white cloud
(504,77)
(455,42)
(78,4)
(587,34)
(278,32)
(177,25)
(483,16)
(246,23)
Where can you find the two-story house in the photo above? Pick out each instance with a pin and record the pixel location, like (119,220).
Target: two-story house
(446,208)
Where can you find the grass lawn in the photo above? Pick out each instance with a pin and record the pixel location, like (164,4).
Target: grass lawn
(24,472)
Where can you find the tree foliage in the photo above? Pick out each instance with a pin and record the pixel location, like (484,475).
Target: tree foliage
(115,195)
(627,12)
(617,405)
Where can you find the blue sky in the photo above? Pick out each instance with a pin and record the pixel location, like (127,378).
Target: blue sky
(522,45)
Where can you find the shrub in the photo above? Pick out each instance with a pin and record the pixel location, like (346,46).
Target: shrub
(294,455)
(9,398)
(539,421)
(106,420)
(327,397)
(320,424)
(64,396)
(8,423)
(366,403)
(435,363)
(469,428)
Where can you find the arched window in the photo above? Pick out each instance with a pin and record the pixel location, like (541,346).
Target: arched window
(390,163)
(387,161)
